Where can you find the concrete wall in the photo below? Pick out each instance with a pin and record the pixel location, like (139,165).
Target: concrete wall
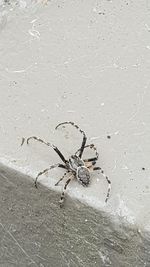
(87,62)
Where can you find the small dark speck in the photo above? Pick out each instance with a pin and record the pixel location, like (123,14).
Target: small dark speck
(101,13)
(13,83)
(143,169)
(108,136)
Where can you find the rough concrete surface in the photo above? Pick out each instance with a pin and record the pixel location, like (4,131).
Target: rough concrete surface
(87,62)
(34,231)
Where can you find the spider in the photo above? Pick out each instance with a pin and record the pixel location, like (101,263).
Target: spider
(75,166)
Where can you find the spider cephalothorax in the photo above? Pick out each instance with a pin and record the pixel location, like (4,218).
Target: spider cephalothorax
(75,162)
(75,166)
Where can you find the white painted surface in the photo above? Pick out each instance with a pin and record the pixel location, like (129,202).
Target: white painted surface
(87,62)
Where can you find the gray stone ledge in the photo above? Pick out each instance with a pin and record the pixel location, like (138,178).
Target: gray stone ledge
(34,231)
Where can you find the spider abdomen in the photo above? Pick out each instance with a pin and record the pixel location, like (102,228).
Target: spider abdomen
(83,175)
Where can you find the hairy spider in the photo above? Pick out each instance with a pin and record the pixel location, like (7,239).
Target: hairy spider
(75,166)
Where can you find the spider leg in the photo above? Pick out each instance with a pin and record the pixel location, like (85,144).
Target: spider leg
(62,198)
(81,131)
(92,146)
(90,164)
(106,177)
(48,144)
(91,159)
(51,167)
(62,178)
